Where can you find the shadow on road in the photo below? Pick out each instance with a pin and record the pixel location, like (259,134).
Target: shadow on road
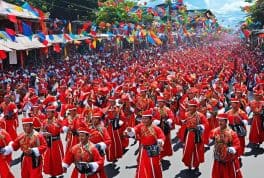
(186,173)
(254,152)
(111,170)
(177,146)
(131,167)
(165,164)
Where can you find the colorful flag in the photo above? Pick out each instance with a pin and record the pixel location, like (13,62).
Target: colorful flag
(93,44)
(57,48)
(67,37)
(12,18)
(2,55)
(27,30)
(155,38)
(11,33)
(150,40)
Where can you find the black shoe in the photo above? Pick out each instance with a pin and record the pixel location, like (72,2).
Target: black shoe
(196,169)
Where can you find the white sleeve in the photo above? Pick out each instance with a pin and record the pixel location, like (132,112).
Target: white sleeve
(8,150)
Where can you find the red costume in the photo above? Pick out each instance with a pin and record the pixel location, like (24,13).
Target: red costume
(256,134)
(11,118)
(87,154)
(31,166)
(54,153)
(5,139)
(149,138)
(194,126)
(115,121)
(238,119)
(226,164)
(165,120)
(148,166)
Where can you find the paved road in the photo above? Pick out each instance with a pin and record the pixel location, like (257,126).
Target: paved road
(172,166)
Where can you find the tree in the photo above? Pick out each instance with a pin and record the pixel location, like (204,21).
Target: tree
(111,12)
(256,12)
(65,9)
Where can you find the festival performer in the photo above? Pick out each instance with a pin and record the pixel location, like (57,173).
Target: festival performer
(183,104)
(256,134)
(238,120)
(115,123)
(33,145)
(51,129)
(88,161)
(142,103)
(129,110)
(70,125)
(151,139)
(98,133)
(164,118)
(5,158)
(194,126)
(9,111)
(227,145)
(37,115)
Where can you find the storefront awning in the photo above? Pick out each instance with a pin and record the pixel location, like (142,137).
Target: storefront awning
(12,45)
(3,48)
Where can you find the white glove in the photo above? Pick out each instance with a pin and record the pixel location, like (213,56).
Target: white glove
(132,133)
(245,122)
(169,121)
(121,122)
(156,122)
(248,109)
(160,142)
(132,109)
(65,129)
(36,151)
(64,165)
(208,115)
(250,116)
(200,127)
(94,166)
(231,150)
(102,145)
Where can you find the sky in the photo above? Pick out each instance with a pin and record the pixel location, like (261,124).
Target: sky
(228,12)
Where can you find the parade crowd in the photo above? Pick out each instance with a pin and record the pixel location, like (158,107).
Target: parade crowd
(210,92)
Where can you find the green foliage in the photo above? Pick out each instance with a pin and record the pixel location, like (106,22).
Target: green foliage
(65,9)
(257,12)
(111,12)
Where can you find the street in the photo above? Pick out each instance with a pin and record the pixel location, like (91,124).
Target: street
(172,166)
